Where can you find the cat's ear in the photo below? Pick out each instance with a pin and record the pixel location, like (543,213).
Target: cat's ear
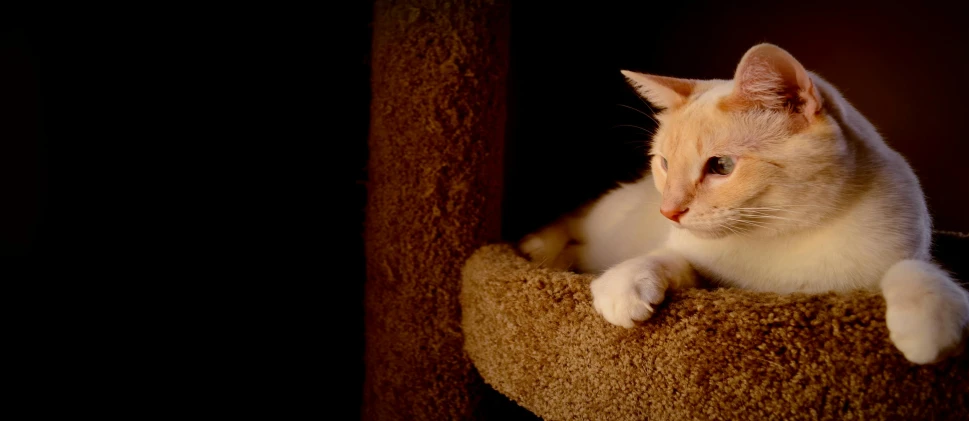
(661,91)
(770,77)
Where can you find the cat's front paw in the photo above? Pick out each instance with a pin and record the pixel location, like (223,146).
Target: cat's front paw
(925,335)
(627,293)
(927,314)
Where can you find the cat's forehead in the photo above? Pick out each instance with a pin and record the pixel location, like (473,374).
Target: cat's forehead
(699,119)
(707,94)
(705,125)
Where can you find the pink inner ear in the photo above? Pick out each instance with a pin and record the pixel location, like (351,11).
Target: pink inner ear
(770,77)
(759,81)
(814,101)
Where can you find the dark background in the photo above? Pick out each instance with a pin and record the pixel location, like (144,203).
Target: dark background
(225,153)
(181,206)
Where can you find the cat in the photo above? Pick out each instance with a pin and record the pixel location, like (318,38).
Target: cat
(773,182)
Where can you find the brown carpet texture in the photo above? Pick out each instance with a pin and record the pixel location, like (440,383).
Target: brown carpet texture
(707,354)
(434,196)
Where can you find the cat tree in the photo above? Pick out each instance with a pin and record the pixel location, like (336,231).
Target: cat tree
(439,337)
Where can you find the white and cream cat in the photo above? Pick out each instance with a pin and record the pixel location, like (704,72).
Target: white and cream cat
(771,181)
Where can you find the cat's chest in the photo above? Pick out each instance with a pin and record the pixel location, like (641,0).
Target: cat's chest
(803,264)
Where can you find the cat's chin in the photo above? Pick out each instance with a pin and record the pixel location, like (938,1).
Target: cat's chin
(706,234)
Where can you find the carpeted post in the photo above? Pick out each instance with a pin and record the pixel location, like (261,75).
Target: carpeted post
(434,190)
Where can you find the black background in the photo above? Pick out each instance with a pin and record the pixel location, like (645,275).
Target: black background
(216,159)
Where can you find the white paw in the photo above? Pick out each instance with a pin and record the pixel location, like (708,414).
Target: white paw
(925,333)
(627,294)
(926,311)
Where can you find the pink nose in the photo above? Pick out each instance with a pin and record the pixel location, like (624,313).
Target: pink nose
(673,214)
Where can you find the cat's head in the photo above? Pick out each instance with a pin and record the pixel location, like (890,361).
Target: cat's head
(756,155)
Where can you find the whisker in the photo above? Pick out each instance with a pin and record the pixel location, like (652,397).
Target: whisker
(802,210)
(813,205)
(633,126)
(640,111)
(751,223)
(793,206)
(761,215)
(648,107)
(782,218)
(735,231)
(753,212)
(745,232)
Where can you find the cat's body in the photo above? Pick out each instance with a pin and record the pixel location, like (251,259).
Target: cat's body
(814,201)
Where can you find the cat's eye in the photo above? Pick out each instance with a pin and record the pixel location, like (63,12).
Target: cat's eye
(663,162)
(721,165)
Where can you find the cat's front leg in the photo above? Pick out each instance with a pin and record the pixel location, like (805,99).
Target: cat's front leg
(927,311)
(628,292)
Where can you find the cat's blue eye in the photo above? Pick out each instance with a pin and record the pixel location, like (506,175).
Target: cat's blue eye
(721,165)
(663,162)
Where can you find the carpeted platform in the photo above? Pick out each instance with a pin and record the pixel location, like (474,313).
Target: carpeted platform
(707,354)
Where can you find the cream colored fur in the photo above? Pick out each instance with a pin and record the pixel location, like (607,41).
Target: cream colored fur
(817,202)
